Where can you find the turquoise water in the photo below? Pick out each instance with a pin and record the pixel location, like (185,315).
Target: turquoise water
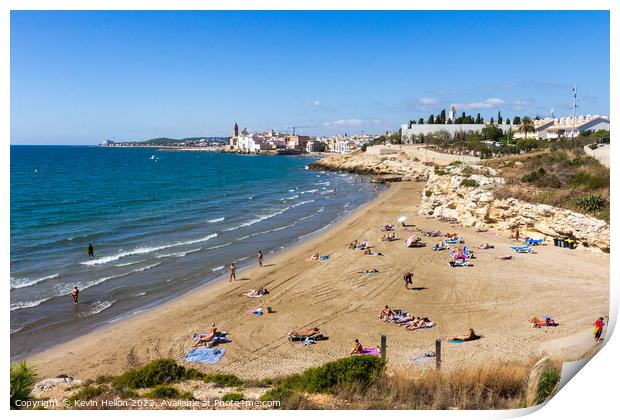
(161,223)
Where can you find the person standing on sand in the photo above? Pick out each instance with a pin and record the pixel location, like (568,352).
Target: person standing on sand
(233,272)
(74,294)
(91,251)
(259,256)
(408,279)
(598,329)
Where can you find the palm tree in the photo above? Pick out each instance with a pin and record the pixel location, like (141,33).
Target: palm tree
(527,126)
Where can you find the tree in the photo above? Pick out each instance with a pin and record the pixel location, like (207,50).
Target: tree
(491,132)
(478,119)
(499,117)
(526,126)
(516,120)
(508,121)
(492,121)
(442,117)
(421,121)
(431,119)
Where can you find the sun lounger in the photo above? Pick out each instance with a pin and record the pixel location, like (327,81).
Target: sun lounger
(459,263)
(534,242)
(454,241)
(522,249)
(439,248)
(314,337)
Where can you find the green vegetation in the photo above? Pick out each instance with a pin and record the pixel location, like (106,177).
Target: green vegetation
(355,371)
(23,378)
(168,392)
(592,203)
(469,183)
(547,385)
(233,396)
(566,178)
(157,372)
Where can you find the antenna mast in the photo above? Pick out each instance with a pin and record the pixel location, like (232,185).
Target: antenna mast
(572,135)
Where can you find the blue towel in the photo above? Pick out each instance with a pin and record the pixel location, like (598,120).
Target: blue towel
(456,341)
(324,257)
(205,355)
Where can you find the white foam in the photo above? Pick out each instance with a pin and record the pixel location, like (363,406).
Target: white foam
(19,283)
(129,263)
(146,250)
(98,307)
(28,304)
(221,267)
(258,219)
(219,219)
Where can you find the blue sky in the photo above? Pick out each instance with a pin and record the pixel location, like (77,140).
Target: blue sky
(82,77)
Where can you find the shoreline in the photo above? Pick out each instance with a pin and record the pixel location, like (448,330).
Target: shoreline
(494,297)
(282,245)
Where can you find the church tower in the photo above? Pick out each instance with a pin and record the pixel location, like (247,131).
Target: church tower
(235,135)
(235,130)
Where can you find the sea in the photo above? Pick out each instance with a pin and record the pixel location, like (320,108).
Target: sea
(161,223)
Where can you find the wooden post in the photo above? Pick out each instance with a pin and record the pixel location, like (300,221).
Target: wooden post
(383,347)
(438,353)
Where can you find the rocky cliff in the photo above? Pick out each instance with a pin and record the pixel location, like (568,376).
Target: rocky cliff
(466,193)
(364,163)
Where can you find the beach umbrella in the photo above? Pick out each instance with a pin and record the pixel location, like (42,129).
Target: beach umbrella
(402,219)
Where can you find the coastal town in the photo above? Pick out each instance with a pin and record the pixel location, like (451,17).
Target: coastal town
(446,126)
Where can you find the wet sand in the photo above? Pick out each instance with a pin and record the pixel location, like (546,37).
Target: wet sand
(496,298)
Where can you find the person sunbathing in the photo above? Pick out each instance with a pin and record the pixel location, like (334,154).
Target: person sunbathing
(205,338)
(486,246)
(405,321)
(369,271)
(504,257)
(441,244)
(468,336)
(353,244)
(481,230)
(314,257)
(451,236)
(387,313)
(357,348)
(308,332)
(419,324)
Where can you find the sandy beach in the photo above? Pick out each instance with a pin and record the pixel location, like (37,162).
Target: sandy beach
(496,298)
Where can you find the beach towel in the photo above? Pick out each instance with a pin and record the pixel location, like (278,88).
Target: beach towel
(371,350)
(324,257)
(257,311)
(205,355)
(308,341)
(456,341)
(422,358)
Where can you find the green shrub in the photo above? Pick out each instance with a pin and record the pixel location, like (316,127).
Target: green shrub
(223,380)
(279,393)
(534,175)
(104,379)
(233,396)
(590,182)
(592,202)
(168,392)
(428,193)
(547,385)
(87,393)
(469,183)
(439,171)
(23,378)
(157,372)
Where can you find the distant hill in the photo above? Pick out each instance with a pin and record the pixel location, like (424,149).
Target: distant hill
(170,141)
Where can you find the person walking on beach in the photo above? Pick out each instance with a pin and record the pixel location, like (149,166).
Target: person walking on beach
(408,279)
(233,272)
(598,329)
(91,251)
(259,256)
(74,294)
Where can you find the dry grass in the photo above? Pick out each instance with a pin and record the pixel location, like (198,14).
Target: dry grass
(497,385)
